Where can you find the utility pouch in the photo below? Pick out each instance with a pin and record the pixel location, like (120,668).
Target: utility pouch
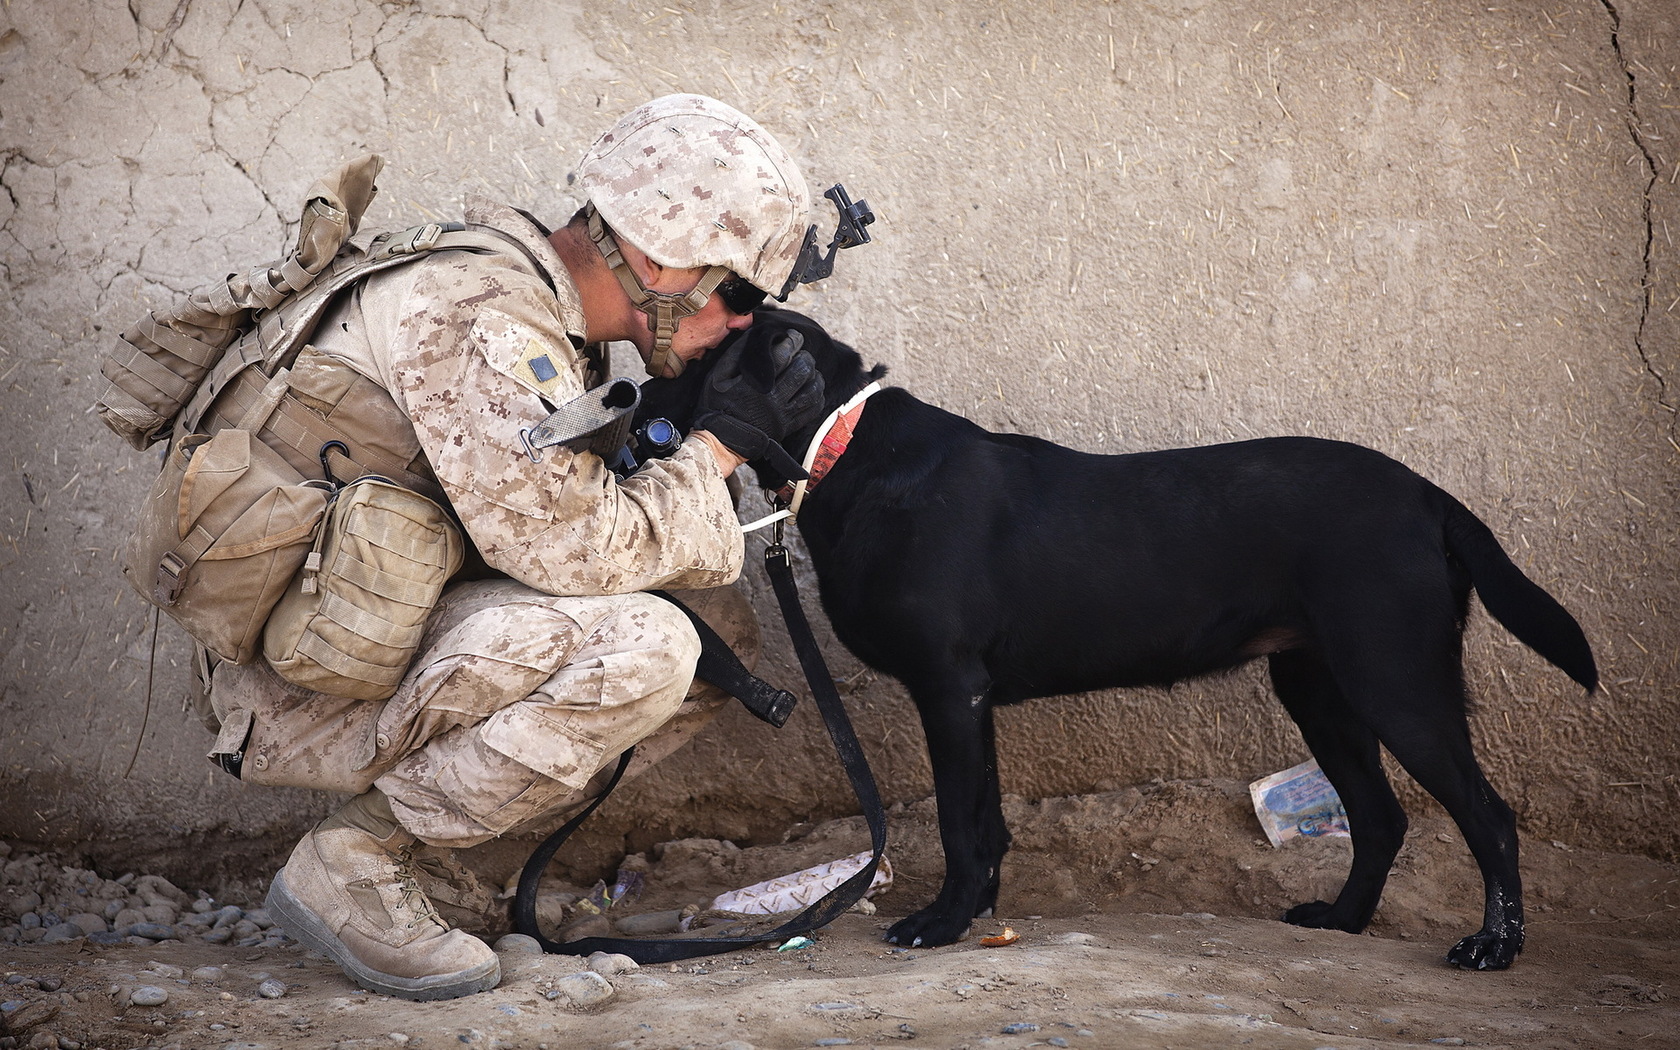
(351,622)
(226,526)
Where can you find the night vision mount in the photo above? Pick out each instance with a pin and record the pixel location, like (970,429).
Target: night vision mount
(814,264)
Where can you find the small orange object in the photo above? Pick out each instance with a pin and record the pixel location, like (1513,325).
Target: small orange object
(1008,936)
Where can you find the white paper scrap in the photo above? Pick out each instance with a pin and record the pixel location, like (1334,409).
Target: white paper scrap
(1298,801)
(802,888)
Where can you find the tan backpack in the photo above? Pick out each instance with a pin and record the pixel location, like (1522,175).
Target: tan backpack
(323,545)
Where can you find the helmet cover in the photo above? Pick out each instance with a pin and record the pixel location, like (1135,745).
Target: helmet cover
(693,182)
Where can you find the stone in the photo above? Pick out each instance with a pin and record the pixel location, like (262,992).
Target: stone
(149,995)
(89,922)
(650,923)
(608,964)
(209,973)
(271,989)
(518,943)
(584,989)
(154,931)
(64,931)
(163,914)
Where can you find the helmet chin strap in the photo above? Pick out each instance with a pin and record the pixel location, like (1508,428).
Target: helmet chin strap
(664,310)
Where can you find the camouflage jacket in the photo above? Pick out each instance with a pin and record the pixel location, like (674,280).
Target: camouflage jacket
(467,344)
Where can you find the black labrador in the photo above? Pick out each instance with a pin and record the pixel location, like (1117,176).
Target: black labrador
(982,569)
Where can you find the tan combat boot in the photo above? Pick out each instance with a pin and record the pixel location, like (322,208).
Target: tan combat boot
(349,892)
(460,896)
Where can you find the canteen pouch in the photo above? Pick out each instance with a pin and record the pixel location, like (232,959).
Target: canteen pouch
(226,526)
(350,623)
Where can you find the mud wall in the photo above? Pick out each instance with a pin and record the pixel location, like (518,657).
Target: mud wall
(1438,228)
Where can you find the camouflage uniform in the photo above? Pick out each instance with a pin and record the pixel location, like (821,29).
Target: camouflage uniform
(524,688)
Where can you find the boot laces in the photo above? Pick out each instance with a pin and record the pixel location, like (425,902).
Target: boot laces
(413,897)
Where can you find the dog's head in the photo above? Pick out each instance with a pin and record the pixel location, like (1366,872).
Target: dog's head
(841,367)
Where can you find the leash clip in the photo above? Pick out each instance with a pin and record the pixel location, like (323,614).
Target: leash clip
(776,556)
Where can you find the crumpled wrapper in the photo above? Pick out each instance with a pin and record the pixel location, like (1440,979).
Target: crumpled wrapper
(802,888)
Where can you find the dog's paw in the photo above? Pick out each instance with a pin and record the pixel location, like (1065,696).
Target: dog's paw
(927,929)
(1486,951)
(1314,915)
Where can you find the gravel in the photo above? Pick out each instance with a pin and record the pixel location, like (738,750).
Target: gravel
(45,902)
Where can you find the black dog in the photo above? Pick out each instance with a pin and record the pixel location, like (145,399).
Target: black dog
(983,569)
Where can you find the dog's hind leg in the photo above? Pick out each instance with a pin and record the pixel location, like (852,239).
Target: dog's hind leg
(958,724)
(1346,749)
(1405,682)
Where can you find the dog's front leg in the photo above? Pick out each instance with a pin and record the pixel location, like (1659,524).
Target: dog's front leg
(960,744)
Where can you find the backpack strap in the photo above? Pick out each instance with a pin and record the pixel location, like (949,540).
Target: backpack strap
(273,343)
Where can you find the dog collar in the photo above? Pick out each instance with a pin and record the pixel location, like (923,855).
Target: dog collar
(826,448)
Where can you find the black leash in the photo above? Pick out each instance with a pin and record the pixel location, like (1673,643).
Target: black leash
(779,564)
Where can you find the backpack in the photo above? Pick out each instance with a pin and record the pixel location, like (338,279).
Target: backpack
(281,524)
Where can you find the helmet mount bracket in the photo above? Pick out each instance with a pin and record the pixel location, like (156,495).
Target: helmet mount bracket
(850,231)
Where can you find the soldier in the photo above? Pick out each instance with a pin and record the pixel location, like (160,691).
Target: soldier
(529,685)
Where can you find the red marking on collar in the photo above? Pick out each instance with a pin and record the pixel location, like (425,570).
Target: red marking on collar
(833,446)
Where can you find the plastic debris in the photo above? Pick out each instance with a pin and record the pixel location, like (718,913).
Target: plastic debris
(793,944)
(1298,801)
(800,889)
(1008,936)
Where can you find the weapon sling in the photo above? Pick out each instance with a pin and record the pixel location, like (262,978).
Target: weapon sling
(778,564)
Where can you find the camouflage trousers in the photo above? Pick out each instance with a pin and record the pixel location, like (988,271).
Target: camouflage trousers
(515,704)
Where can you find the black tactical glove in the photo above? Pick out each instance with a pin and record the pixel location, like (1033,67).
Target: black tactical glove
(752,406)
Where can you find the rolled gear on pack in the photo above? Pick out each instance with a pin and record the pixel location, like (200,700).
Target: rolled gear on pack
(166,358)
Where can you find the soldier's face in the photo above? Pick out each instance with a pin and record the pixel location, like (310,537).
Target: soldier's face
(699,332)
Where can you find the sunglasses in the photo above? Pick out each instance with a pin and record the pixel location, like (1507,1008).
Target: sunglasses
(740,294)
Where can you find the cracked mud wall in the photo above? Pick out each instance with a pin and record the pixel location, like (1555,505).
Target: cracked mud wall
(1440,229)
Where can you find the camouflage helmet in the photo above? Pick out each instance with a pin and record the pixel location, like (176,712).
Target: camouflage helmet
(693,182)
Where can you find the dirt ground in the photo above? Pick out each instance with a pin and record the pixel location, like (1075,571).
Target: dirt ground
(1146,920)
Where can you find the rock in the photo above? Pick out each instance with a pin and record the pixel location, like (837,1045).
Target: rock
(155,889)
(226,916)
(594,926)
(89,922)
(30,1015)
(203,905)
(45,1039)
(154,931)
(607,964)
(149,995)
(217,936)
(109,937)
(30,920)
(209,973)
(127,917)
(584,989)
(1019,1028)
(518,943)
(1072,938)
(164,970)
(163,914)
(650,924)
(64,931)
(271,989)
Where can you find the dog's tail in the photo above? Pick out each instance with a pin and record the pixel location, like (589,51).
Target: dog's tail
(1523,606)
